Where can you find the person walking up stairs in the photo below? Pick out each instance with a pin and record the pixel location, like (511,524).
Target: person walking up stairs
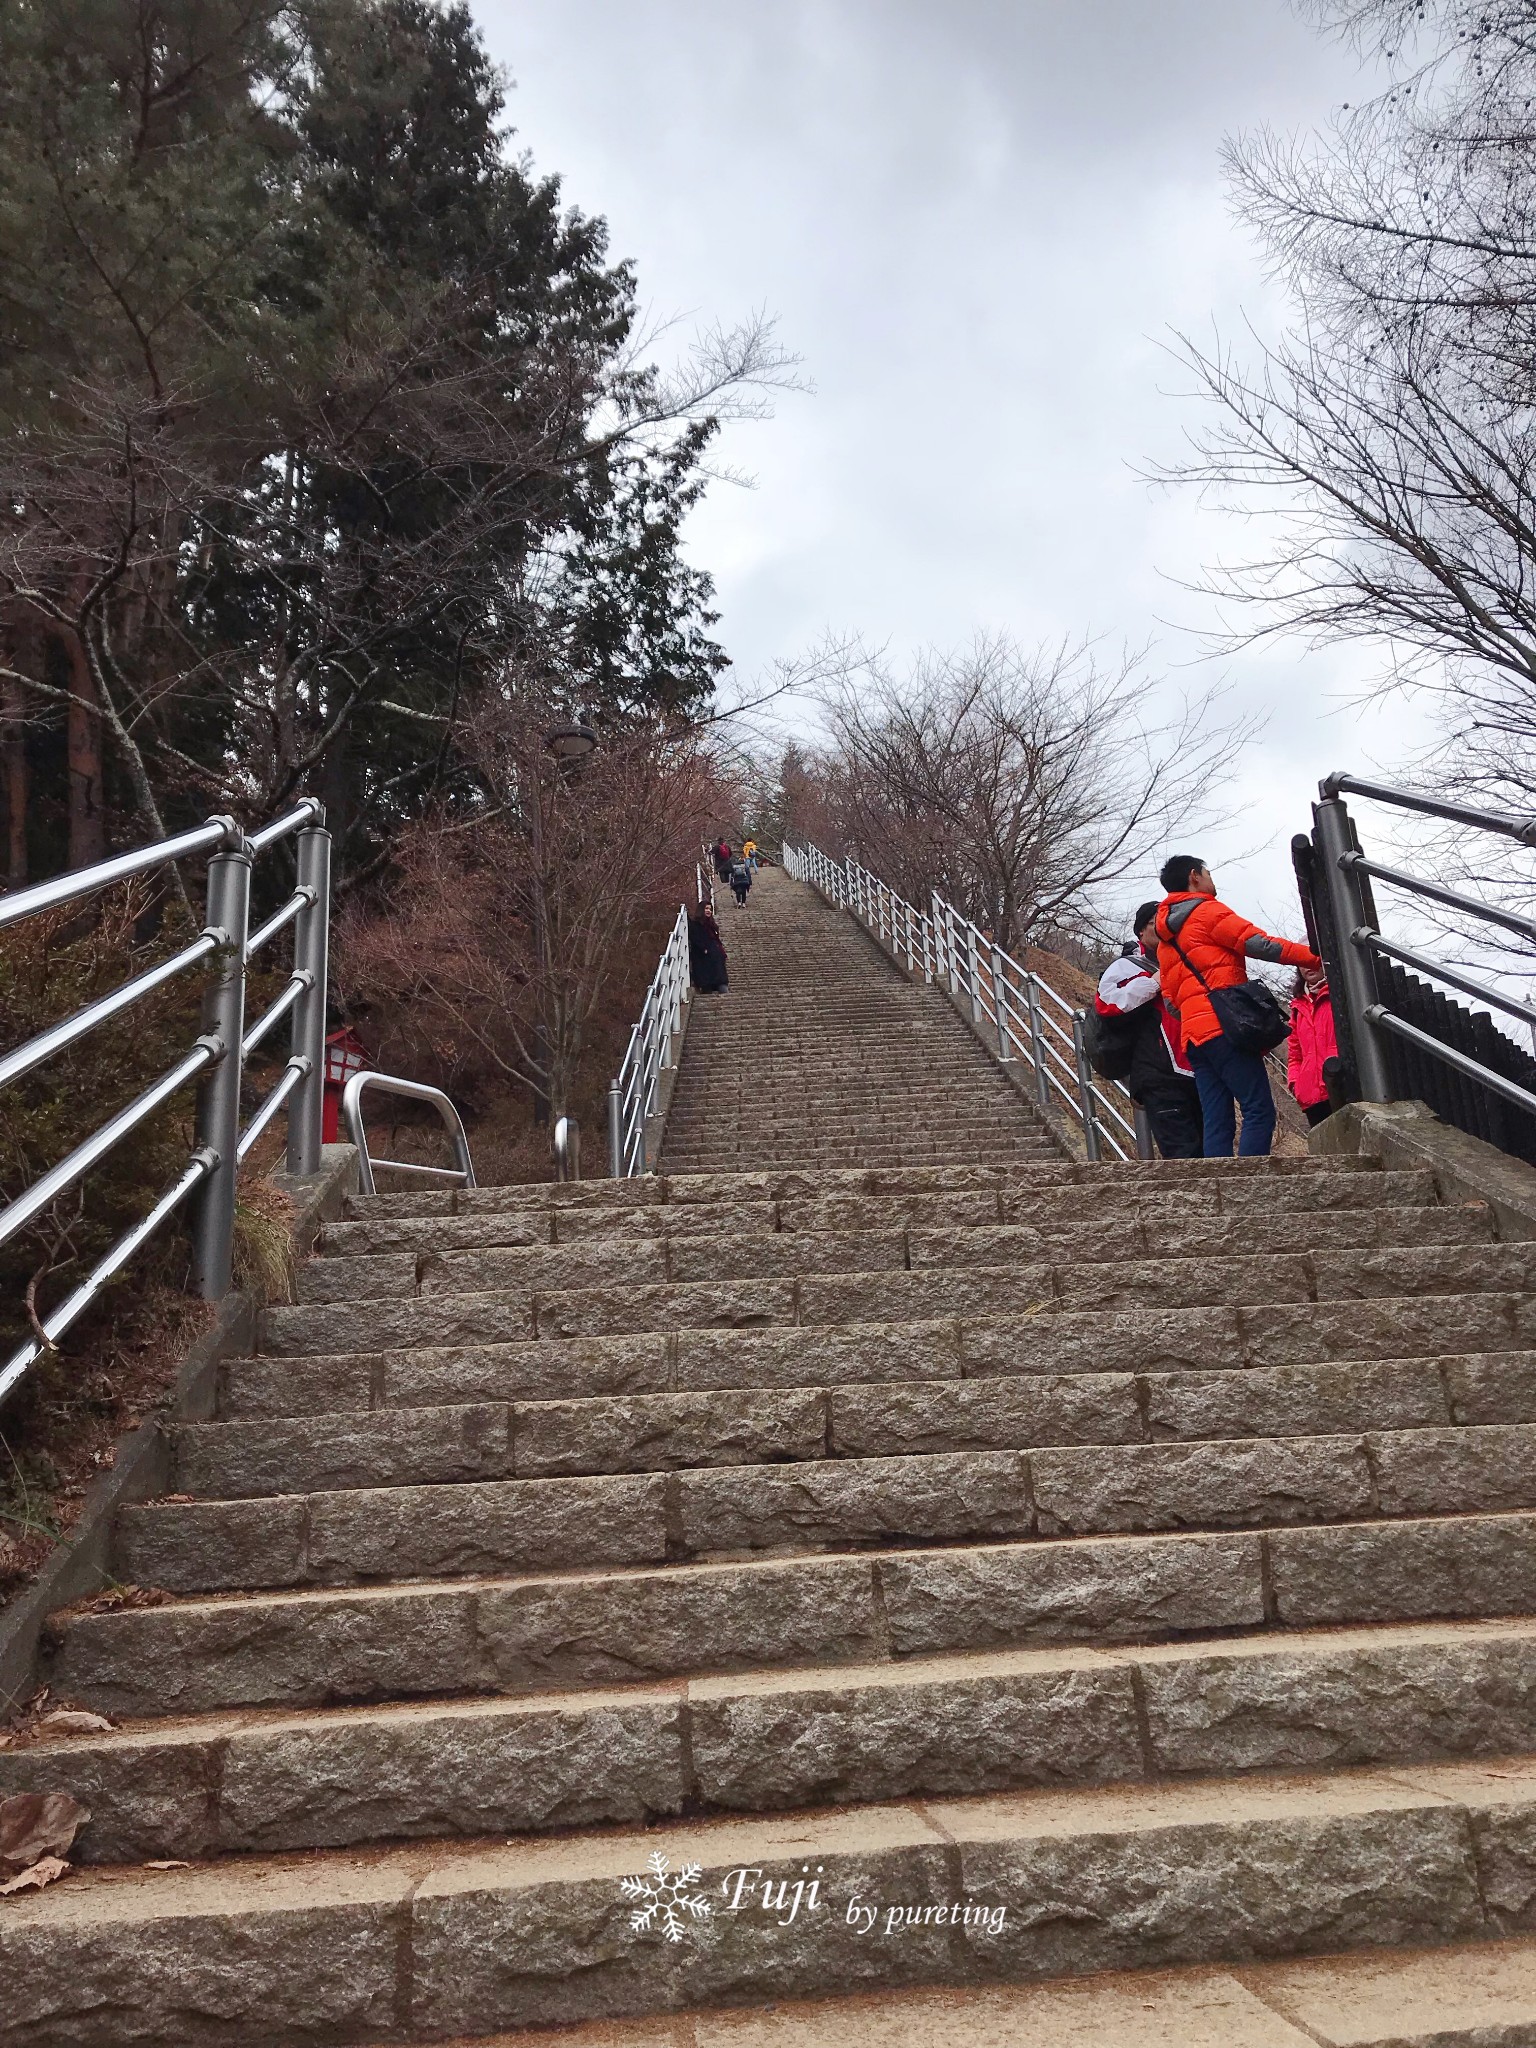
(966,1582)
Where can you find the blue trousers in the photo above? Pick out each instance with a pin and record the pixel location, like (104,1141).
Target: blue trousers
(1229,1081)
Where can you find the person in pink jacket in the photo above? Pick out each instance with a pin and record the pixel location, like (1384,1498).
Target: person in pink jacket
(1312,1042)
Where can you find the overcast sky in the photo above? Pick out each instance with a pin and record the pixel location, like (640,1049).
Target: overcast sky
(977,223)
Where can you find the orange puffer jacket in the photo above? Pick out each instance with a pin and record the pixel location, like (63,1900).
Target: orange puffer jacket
(1220,944)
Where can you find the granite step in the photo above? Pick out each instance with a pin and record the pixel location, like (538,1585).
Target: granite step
(959,1725)
(362,1535)
(482,1363)
(491,1315)
(653,1432)
(435,1939)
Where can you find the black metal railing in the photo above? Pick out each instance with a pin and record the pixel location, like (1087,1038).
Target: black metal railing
(1399,1037)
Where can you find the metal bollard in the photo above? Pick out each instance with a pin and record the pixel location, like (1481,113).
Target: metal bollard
(218,1099)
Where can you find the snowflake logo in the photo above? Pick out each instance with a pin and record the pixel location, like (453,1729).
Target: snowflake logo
(663,1899)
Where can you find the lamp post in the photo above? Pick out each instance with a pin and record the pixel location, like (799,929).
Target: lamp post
(570,744)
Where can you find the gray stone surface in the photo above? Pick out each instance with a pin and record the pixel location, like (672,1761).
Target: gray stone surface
(609,1630)
(389,1276)
(1456,1471)
(597,1262)
(1443,1270)
(227,1544)
(887,1297)
(1115,1590)
(452,1772)
(996,1414)
(822,1357)
(1357,1704)
(500,1526)
(389,1325)
(146,1797)
(1297,1400)
(615,1311)
(739,1256)
(293,1650)
(1242,1484)
(424,1446)
(1072,1342)
(528,1371)
(1193,1283)
(1297,1334)
(802,1742)
(1225,1891)
(256,1387)
(1390,1571)
(1492,1387)
(875,1500)
(665,1432)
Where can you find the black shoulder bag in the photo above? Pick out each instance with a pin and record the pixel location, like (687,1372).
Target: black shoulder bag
(1249,1014)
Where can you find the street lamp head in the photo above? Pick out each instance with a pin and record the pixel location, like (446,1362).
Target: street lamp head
(570,742)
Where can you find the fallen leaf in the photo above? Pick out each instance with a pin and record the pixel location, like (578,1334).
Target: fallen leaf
(38,1824)
(73,1721)
(36,1877)
(168,1863)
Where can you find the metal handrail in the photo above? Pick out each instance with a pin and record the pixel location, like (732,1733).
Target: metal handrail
(943,945)
(413,1091)
(634,1092)
(216,1060)
(1345,872)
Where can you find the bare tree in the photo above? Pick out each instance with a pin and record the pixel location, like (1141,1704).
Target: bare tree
(1390,440)
(1020,784)
(504,928)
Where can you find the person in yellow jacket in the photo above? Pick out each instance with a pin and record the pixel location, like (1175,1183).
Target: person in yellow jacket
(749,852)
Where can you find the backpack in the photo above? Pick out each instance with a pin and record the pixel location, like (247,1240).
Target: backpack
(1109,1038)
(740,873)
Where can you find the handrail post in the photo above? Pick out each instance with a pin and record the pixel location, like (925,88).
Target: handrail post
(615,1131)
(311,956)
(973,973)
(1355,967)
(1037,1042)
(1146,1147)
(218,1100)
(1004,1042)
(1085,1086)
(940,949)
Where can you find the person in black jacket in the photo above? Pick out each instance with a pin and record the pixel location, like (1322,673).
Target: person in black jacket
(1159,1077)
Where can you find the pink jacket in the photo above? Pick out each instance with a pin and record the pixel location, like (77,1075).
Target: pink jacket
(1312,1042)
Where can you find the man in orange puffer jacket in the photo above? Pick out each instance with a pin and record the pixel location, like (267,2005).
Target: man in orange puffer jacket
(1218,943)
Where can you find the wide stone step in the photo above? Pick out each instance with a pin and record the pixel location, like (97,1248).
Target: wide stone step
(431,1940)
(798,1183)
(928,1726)
(1395,1273)
(1465,1996)
(1049,1343)
(1116,1203)
(362,1534)
(690,1255)
(674,1431)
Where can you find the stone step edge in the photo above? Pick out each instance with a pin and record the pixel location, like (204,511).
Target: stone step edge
(937,1500)
(374,1372)
(707,1187)
(1464,1995)
(469,1937)
(623,1755)
(1084,1399)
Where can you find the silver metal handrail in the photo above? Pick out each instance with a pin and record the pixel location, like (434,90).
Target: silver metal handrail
(1030,1020)
(1345,872)
(634,1092)
(412,1091)
(216,1060)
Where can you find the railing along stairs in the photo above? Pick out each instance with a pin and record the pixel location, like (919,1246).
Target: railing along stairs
(216,1060)
(1025,1017)
(637,1094)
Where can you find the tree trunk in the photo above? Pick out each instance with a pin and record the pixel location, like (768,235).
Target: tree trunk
(87,794)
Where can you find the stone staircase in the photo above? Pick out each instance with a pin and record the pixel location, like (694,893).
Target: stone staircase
(981,1583)
(822,1055)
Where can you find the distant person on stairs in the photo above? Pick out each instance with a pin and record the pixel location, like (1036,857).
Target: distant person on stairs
(706,953)
(1202,949)
(1313,1041)
(741,880)
(722,859)
(1133,1016)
